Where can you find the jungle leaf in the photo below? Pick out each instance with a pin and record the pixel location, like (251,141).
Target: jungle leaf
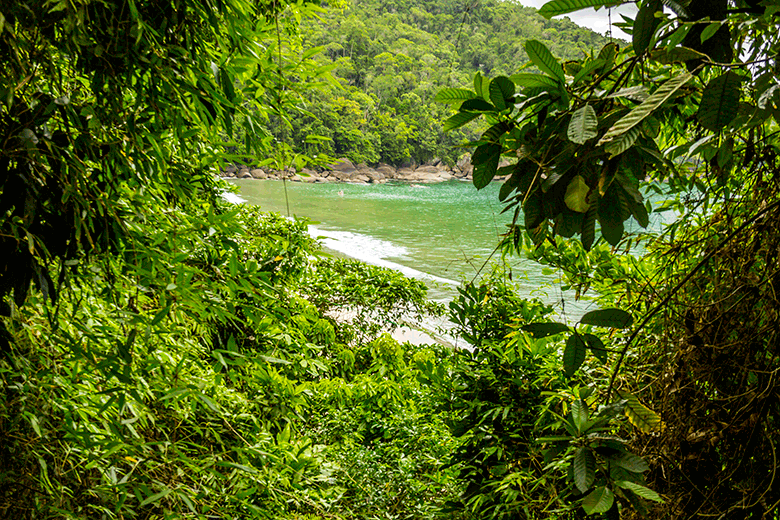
(584,469)
(640,490)
(583,126)
(639,415)
(615,318)
(596,346)
(542,330)
(632,463)
(485,161)
(543,58)
(576,197)
(528,79)
(647,107)
(501,91)
(599,500)
(720,101)
(459,119)
(573,354)
(644,27)
(623,142)
(589,227)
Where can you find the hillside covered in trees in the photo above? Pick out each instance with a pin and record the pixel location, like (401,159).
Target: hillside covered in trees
(391,58)
(167,355)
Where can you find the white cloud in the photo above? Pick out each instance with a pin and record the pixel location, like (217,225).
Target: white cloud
(597,21)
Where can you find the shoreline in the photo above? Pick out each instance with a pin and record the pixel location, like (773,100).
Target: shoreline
(344,171)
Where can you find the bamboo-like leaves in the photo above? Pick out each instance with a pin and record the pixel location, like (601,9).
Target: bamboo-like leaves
(543,58)
(720,101)
(647,107)
(583,125)
(558,7)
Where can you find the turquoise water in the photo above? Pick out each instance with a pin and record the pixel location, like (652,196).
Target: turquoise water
(442,233)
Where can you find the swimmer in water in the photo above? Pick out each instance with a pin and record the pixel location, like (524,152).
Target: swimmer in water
(341,193)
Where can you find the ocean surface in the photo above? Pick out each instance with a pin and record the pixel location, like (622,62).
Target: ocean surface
(441,233)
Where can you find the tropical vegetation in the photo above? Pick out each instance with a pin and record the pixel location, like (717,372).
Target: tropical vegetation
(165,354)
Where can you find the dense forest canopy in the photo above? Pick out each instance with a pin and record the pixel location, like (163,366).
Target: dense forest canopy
(390,59)
(164,354)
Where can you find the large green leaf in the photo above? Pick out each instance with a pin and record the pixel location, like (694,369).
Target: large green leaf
(528,79)
(623,142)
(599,500)
(589,227)
(576,197)
(543,58)
(645,25)
(596,346)
(720,101)
(633,463)
(558,7)
(584,465)
(501,91)
(640,490)
(588,69)
(541,330)
(639,415)
(573,354)
(454,95)
(647,107)
(583,125)
(615,318)
(477,105)
(533,211)
(485,161)
(460,119)
(610,217)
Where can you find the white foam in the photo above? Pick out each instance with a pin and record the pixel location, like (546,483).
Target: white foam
(233,198)
(372,251)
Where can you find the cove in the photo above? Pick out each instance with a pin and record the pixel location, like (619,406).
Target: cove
(441,233)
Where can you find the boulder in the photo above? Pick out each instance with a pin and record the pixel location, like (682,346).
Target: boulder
(343,165)
(427,169)
(230,168)
(244,175)
(386,170)
(258,174)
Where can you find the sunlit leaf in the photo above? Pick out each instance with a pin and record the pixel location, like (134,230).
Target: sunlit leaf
(501,91)
(541,56)
(576,197)
(640,490)
(647,107)
(639,415)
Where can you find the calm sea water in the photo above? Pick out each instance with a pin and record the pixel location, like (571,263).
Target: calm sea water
(441,233)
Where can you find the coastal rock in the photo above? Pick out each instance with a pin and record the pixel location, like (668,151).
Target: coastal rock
(386,170)
(258,174)
(343,165)
(244,174)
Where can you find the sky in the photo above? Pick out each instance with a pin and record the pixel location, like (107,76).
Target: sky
(597,21)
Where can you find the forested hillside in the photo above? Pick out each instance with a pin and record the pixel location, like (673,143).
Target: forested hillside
(390,59)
